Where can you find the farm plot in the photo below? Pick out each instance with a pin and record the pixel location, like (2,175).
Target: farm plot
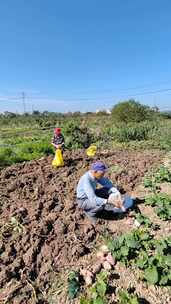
(44,236)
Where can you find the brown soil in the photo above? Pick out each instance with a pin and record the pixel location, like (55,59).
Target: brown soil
(53,234)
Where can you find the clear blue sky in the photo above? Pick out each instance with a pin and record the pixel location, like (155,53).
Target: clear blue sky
(82,55)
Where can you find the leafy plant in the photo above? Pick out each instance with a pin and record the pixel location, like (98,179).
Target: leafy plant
(151,274)
(162,202)
(73,284)
(17,227)
(163,175)
(97,293)
(157,266)
(143,220)
(154,179)
(138,248)
(127,247)
(126,298)
(12,227)
(150,182)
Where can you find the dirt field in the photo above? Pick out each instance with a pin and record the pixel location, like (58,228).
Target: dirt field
(52,235)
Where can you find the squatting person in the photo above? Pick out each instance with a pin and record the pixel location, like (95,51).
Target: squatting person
(94,200)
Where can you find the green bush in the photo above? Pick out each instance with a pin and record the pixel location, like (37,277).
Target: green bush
(131,111)
(5,157)
(76,136)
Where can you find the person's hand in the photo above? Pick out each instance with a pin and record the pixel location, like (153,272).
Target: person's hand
(116,200)
(119,202)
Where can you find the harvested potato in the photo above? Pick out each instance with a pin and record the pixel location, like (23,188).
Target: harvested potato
(109,258)
(106,265)
(88,280)
(87,275)
(83,272)
(96,268)
(100,255)
(104,249)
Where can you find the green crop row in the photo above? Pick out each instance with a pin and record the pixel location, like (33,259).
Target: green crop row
(140,249)
(80,132)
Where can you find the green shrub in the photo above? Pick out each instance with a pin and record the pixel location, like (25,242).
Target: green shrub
(131,111)
(127,298)
(97,293)
(76,136)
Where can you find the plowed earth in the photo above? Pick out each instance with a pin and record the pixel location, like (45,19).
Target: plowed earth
(51,233)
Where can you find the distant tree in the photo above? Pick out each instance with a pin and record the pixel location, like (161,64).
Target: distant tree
(26,114)
(155,109)
(166,114)
(131,111)
(88,113)
(46,113)
(68,114)
(10,114)
(102,113)
(77,113)
(36,112)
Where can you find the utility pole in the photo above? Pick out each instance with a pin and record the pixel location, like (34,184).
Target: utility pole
(24,104)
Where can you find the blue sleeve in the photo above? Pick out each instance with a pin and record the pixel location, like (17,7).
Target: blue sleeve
(105,182)
(93,198)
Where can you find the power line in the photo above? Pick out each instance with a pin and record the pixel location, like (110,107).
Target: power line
(158,83)
(100,97)
(48,99)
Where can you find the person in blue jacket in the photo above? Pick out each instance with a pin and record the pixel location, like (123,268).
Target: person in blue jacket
(94,200)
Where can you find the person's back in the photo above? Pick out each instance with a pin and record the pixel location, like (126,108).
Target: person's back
(84,181)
